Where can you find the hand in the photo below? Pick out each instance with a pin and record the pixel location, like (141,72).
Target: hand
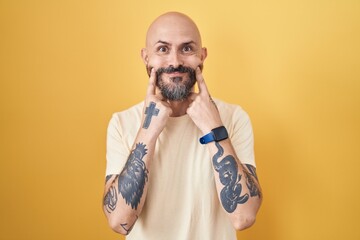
(202,110)
(156,111)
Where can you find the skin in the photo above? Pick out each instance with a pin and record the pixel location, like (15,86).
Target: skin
(172,40)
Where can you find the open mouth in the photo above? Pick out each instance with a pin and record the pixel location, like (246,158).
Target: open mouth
(176,77)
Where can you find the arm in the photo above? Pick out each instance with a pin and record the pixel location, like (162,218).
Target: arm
(237,184)
(125,193)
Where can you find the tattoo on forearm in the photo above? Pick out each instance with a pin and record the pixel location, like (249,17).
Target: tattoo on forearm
(150,111)
(130,228)
(250,180)
(110,199)
(227,168)
(134,176)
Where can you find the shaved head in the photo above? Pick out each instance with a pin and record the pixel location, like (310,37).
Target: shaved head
(170,22)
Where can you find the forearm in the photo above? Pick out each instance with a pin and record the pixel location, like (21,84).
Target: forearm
(237,185)
(125,193)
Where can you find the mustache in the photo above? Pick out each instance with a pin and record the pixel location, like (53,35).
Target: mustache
(172,69)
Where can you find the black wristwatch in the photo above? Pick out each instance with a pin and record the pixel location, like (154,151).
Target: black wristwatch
(217,134)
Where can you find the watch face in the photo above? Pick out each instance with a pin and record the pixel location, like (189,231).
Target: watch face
(220,133)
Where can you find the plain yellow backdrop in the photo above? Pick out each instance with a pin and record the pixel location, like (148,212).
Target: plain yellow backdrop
(67,65)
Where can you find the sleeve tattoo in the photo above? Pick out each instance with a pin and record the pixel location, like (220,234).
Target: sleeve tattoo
(131,183)
(134,176)
(227,168)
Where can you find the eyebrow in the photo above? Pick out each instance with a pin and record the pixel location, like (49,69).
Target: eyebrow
(162,42)
(166,43)
(190,42)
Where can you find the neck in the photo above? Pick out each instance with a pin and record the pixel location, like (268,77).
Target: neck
(179,107)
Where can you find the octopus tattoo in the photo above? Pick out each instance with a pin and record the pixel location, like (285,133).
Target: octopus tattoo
(227,168)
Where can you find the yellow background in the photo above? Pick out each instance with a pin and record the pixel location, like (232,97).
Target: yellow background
(67,65)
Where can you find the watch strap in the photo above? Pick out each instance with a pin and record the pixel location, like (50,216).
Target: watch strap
(207,138)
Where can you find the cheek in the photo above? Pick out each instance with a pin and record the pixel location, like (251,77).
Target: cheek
(156,62)
(194,62)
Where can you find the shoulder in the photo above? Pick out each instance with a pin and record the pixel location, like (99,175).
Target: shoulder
(130,113)
(235,118)
(231,111)
(127,117)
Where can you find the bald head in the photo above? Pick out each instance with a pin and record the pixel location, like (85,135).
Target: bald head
(172,24)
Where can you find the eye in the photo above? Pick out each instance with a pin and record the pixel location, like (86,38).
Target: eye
(187,49)
(162,49)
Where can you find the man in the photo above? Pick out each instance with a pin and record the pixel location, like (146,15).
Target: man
(162,182)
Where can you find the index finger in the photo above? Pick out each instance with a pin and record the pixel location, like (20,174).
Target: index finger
(201,82)
(151,87)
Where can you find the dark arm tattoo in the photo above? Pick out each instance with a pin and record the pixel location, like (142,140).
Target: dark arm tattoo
(227,168)
(134,176)
(150,111)
(110,198)
(250,183)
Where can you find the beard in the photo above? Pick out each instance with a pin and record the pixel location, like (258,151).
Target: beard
(179,88)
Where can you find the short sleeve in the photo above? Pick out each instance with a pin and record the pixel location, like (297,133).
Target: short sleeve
(243,138)
(117,151)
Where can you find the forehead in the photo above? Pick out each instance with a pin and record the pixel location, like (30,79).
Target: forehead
(173,30)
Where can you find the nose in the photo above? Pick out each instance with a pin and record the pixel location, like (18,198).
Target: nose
(175,59)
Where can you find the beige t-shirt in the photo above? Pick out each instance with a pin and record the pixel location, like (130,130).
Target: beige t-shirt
(182,201)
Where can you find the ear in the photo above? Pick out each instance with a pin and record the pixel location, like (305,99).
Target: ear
(144,56)
(203,54)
